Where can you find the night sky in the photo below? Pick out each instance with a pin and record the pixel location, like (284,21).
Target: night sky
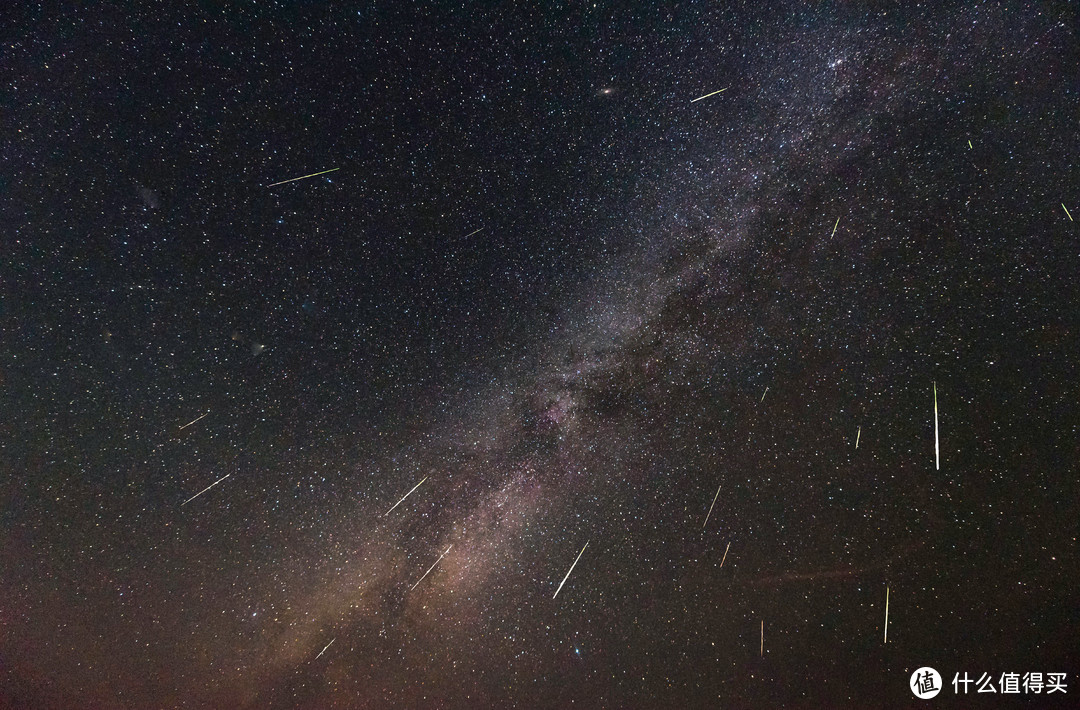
(688,347)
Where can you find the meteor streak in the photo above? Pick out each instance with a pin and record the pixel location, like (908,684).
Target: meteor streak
(192,422)
(857,435)
(205,489)
(970,147)
(762,652)
(472,233)
(569,571)
(1067,211)
(326,647)
(429,569)
(303,177)
(834,227)
(725,555)
(404,497)
(711,507)
(708,95)
(937,451)
(886,615)
(763,395)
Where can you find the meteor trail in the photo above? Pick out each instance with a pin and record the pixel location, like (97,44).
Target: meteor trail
(834,227)
(762,652)
(886,615)
(708,95)
(404,497)
(970,146)
(326,647)
(192,422)
(429,569)
(725,555)
(205,489)
(763,395)
(569,571)
(472,233)
(303,177)
(857,435)
(1067,211)
(711,507)
(937,451)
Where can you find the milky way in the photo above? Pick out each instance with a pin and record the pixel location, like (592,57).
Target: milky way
(542,307)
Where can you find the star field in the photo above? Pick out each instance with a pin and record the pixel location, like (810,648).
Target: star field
(532,291)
